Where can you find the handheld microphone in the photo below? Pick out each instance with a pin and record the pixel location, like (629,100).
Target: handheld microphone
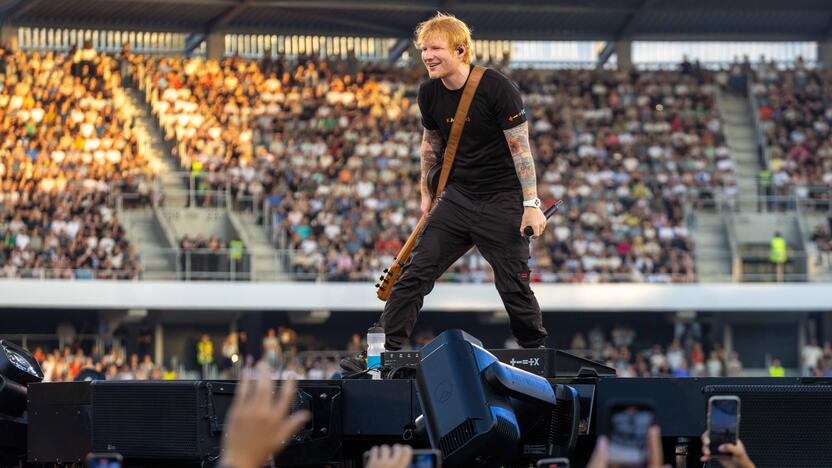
(548,212)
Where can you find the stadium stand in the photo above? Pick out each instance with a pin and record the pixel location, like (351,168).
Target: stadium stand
(67,150)
(352,137)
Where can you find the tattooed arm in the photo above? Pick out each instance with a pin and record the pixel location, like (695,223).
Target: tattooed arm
(430,150)
(518,143)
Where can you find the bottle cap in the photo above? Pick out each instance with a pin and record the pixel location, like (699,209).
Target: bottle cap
(376,328)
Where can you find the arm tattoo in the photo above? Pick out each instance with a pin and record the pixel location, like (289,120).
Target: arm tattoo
(518,143)
(430,151)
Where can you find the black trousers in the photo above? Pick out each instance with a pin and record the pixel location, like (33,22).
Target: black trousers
(457,223)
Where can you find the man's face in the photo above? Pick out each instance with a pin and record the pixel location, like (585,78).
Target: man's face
(439,59)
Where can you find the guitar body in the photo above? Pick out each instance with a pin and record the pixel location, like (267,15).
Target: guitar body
(434,173)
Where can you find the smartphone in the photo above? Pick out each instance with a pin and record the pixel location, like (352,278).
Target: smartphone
(627,427)
(426,458)
(723,421)
(559,462)
(104,460)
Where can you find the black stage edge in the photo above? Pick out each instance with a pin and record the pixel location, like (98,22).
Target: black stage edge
(180,423)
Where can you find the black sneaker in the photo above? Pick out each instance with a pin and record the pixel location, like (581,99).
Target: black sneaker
(354,366)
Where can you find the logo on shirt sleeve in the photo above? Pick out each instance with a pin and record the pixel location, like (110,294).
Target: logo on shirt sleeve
(516,116)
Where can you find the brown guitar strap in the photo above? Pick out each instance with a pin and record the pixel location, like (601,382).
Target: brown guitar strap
(456,127)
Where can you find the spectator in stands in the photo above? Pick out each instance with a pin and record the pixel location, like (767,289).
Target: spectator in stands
(714,365)
(822,238)
(733,367)
(205,353)
(272,352)
(810,357)
(776,369)
(230,355)
(779,255)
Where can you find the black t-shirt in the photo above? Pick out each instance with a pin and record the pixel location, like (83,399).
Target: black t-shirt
(483,163)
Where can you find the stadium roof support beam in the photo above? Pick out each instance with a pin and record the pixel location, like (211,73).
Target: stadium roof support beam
(398,49)
(192,42)
(606,53)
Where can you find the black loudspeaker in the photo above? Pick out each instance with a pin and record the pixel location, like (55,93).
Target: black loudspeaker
(783,425)
(12,398)
(161,420)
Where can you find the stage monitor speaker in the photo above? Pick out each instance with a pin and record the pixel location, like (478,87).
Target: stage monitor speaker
(783,425)
(551,363)
(12,398)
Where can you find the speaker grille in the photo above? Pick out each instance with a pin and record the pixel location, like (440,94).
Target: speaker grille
(507,431)
(151,420)
(783,425)
(457,437)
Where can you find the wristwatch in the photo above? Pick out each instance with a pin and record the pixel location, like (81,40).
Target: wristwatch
(533,203)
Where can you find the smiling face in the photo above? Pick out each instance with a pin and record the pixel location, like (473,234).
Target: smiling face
(438,57)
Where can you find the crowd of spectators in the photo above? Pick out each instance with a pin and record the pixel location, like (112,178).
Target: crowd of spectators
(67,364)
(685,356)
(793,107)
(292,355)
(67,149)
(335,157)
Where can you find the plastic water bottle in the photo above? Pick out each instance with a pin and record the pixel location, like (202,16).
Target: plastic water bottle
(375,346)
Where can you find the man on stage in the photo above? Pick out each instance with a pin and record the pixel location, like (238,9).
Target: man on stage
(491,194)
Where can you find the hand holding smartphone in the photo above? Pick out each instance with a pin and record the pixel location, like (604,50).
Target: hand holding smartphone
(629,423)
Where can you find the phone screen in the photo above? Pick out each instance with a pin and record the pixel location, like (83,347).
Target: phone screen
(423,460)
(104,462)
(723,422)
(629,425)
(553,463)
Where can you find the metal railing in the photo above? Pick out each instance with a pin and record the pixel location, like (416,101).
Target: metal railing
(36,273)
(783,203)
(199,264)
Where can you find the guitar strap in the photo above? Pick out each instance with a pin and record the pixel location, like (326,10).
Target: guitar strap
(456,128)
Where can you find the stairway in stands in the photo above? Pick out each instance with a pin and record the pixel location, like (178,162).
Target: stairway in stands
(156,247)
(738,127)
(712,253)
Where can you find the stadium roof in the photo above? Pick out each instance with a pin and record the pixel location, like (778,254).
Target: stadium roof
(490,19)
